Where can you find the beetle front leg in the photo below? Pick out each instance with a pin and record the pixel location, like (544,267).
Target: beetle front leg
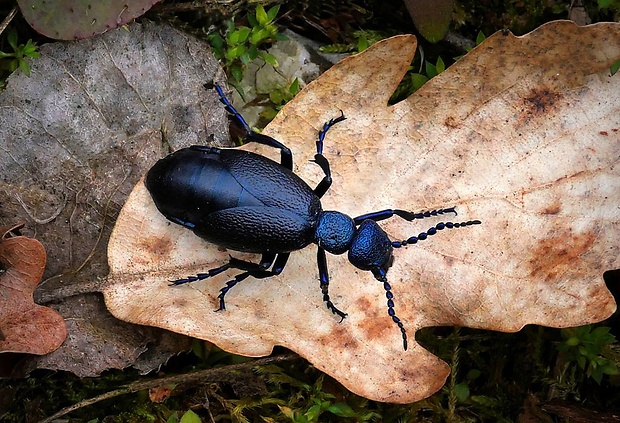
(324,278)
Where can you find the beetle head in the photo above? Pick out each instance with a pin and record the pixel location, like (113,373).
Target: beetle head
(371,247)
(334,232)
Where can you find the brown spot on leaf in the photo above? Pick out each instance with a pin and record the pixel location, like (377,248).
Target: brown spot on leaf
(180,302)
(554,208)
(339,337)
(451,122)
(556,255)
(158,246)
(540,100)
(373,322)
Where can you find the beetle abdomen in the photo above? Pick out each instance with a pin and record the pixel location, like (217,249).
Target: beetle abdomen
(235,199)
(187,185)
(257,229)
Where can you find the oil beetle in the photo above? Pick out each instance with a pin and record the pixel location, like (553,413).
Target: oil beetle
(246,202)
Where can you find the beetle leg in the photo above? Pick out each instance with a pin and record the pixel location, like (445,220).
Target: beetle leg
(226,288)
(181,222)
(380,276)
(259,271)
(322,132)
(201,276)
(326,182)
(386,214)
(324,279)
(286,157)
(319,159)
(230,109)
(233,263)
(432,231)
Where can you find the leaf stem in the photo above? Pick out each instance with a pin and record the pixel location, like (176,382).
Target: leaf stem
(8,19)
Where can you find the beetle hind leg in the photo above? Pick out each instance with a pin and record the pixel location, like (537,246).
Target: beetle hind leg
(258,271)
(286,157)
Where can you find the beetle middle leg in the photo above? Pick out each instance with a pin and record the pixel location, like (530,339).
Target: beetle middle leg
(324,278)
(320,159)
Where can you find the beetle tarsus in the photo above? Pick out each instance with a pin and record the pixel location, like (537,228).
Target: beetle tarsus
(334,310)
(322,132)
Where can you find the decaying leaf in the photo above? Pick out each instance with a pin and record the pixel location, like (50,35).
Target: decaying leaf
(26,327)
(522,134)
(75,138)
(76,19)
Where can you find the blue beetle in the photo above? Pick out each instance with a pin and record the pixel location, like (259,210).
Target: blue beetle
(246,202)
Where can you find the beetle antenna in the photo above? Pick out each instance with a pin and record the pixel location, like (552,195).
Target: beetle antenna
(432,231)
(380,275)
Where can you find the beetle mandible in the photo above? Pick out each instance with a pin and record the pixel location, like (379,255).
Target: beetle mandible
(246,202)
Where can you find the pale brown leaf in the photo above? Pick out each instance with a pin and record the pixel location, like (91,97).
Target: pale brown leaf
(522,134)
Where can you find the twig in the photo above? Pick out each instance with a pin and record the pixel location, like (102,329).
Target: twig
(202,375)
(37,220)
(8,19)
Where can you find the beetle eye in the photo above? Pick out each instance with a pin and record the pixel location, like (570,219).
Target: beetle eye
(371,247)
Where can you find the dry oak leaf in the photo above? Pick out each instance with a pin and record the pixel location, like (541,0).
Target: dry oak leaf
(26,326)
(508,135)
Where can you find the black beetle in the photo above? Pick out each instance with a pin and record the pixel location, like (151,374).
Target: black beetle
(246,202)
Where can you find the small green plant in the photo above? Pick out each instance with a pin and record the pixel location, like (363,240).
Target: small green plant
(17,59)
(589,348)
(609,4)
(316,401)
(479,39)
(299,398)
(243,44)
(362,40)
(614,68)
(413,81)
(278,98)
